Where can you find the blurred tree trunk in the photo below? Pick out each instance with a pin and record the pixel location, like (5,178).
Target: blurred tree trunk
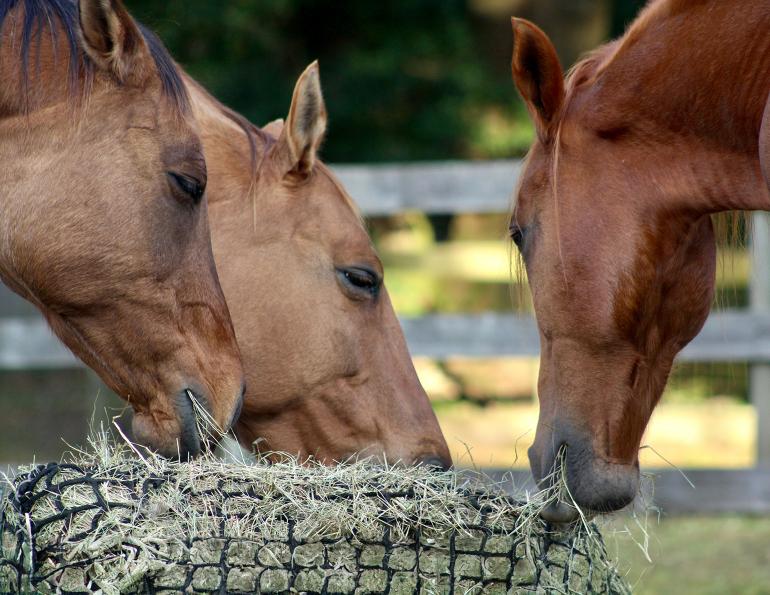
(623,12)
(442,225)
(574,26)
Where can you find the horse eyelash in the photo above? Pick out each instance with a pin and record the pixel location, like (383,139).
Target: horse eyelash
(516,233)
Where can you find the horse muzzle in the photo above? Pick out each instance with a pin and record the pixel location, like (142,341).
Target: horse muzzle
(188,434)
(595,485)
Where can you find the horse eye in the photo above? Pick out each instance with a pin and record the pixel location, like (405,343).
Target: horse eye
(190,186)
(361,279)
(516,234)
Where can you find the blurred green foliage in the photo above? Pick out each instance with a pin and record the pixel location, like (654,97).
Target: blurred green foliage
(403,79)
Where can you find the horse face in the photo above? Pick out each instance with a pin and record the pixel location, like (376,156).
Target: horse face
(329,373)
(621,280)
(112,240)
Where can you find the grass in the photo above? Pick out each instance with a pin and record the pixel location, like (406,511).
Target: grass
(704,555)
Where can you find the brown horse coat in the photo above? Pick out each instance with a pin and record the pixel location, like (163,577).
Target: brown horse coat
(647,137)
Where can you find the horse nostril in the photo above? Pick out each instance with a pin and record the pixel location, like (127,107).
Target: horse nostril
(434,462)
(559,513)
(189,438)
(238,409)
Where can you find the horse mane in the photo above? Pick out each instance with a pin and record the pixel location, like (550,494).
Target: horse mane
(594,62)
(255,136)
(42,14)
(654,11)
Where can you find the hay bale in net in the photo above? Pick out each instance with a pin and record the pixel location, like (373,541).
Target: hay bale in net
(120,524)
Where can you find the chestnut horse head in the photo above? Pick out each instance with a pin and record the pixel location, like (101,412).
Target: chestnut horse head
(328,371)
(646,138)
(103,222)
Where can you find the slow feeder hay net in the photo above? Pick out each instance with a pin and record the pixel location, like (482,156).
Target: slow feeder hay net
(114,523)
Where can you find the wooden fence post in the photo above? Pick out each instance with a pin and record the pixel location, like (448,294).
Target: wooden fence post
(759,372)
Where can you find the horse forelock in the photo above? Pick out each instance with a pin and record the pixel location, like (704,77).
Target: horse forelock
(168,72)
(61,16)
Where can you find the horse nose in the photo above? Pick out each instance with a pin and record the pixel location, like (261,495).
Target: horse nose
(180,440)
(594,483)
(434,462)
(191,444)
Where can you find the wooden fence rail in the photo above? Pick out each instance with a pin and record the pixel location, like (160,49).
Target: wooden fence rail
(447,187)
(731,336)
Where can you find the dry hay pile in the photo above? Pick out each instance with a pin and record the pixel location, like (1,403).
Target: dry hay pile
(113,522)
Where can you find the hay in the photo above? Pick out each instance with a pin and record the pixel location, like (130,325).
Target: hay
(109,521)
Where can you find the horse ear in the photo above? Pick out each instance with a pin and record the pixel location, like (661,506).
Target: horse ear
(538,74)
(274,128)
(112,39)
(306,123)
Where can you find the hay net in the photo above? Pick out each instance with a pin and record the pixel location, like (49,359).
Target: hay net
(114,523)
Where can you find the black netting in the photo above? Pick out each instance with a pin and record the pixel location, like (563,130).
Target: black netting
(71,529)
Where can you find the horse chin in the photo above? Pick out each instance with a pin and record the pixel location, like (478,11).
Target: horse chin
(601,486)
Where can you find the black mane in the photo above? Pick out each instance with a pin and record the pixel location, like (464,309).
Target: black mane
(43,15)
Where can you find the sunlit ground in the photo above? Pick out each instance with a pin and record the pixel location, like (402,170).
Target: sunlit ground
(486,429)
(716,433)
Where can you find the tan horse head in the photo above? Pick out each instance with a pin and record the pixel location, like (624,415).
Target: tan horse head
(103,222)
(647,138)
(329,373)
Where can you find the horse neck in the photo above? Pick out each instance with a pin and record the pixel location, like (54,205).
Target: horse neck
(694,77)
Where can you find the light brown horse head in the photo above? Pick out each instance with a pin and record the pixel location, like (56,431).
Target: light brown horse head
(328,371)
(103,217)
